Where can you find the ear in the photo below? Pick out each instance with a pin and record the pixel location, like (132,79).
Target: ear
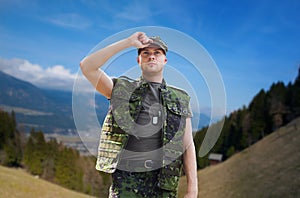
(138,60)
(166,60)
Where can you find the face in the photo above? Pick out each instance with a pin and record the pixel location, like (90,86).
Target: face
(152,60)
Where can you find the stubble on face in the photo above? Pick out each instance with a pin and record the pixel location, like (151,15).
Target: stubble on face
(152,61)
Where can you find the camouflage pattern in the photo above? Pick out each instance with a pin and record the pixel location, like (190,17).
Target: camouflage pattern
(111,143)
(157,42)
(125,106)
(137,185)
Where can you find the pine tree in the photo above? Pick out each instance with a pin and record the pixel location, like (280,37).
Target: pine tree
(295,96)
(297,80)
(10,144)
(35,152)
(52,152)
(68,172)
(258,114)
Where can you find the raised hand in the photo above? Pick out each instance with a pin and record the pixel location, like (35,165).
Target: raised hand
(140,40)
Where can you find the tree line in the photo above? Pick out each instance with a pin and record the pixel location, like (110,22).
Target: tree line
(267,111)
(49,160)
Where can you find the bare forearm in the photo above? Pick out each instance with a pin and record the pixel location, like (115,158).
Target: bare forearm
(190,167)
(98,58)
(90,65)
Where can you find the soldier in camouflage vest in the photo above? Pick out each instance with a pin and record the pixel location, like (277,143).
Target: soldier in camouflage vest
(146,138)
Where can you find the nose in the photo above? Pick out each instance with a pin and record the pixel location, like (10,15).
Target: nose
(151,56)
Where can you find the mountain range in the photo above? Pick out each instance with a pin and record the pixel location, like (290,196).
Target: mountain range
(51,110)
(47,110)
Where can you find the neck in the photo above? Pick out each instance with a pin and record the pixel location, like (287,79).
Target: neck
(154,78)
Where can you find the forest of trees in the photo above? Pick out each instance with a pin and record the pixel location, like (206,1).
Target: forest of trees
(267,111)
(49,160)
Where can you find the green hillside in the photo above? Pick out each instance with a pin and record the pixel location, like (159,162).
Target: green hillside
(17,183)
(269,168)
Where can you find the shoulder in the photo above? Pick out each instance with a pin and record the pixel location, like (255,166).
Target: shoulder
(123,79)
(178,91)
(123,87)
(181,98)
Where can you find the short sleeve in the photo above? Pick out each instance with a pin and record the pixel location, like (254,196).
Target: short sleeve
(190,112)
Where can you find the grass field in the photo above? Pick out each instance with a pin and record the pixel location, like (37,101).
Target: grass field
(16,183)
(268,169)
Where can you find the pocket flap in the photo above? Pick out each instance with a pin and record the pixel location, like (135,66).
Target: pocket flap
(177,108)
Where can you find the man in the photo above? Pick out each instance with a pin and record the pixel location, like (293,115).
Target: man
(146,137)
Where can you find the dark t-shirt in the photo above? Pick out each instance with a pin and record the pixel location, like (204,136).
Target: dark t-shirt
(147,136)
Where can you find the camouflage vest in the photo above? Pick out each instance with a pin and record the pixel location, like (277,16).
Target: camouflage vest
(124,109)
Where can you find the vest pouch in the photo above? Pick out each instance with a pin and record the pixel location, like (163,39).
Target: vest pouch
(111,143)
(178,108)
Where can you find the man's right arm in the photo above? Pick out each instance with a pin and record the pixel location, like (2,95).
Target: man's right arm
(90,65)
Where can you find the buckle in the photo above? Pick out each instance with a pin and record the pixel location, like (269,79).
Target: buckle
(148,163)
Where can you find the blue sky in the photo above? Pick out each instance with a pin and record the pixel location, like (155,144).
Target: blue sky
(253,43)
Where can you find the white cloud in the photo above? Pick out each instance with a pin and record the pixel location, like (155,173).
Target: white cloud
(55,77)
(69,20)
(134,11)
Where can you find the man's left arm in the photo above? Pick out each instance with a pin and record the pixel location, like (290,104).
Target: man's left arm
(190,162)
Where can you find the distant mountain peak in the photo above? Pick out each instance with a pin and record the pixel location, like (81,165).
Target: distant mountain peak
(8,80)
(16,92)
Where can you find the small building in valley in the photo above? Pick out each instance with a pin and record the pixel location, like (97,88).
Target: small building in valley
(215,158)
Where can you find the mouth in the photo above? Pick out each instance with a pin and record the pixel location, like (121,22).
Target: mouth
(152,63)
